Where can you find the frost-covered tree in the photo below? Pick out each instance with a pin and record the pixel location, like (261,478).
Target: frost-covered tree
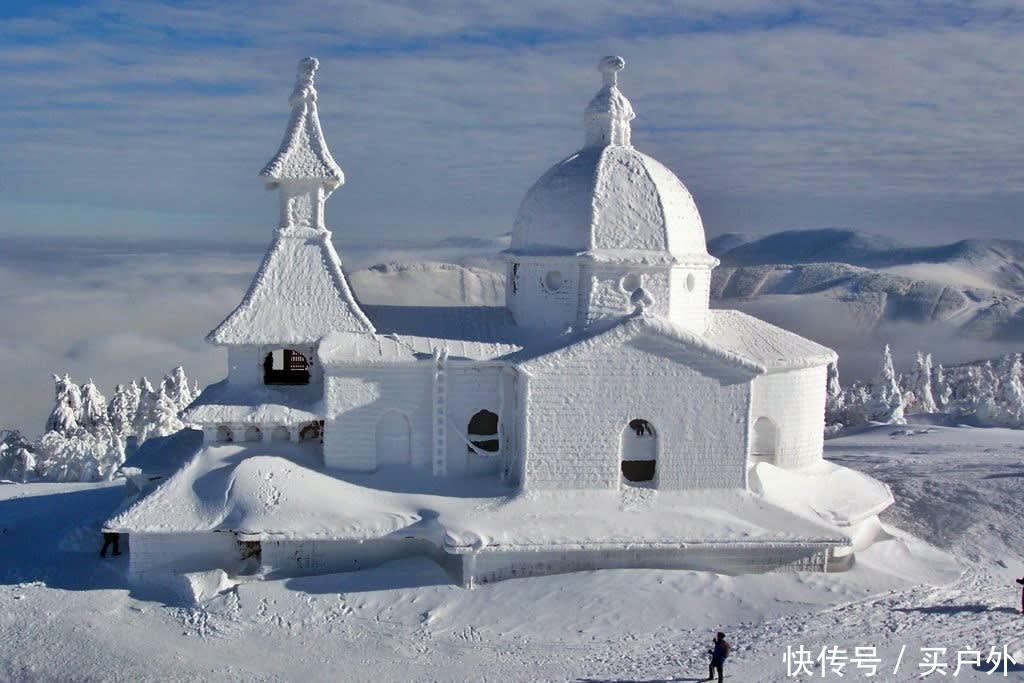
(146,407)
(17,457)
(942,391)
(178,389)
(94,408)
(886,403)
(835,400)
(919,397)
(161,418)
(66,415)
(123,407)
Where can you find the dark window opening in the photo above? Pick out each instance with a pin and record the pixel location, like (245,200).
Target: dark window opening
(515,278)
(483,432)
(639,451)
(638,470)
(285,366)
(311,432)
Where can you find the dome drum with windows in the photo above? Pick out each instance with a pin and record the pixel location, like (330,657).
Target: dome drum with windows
(602,223)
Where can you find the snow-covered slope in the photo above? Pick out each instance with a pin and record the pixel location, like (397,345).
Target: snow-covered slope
(66,615)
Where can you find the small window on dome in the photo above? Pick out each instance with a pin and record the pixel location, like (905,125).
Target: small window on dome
(630,283)
(691,282)
(553,280)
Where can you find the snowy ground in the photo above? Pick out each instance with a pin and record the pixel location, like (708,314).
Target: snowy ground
(66,615)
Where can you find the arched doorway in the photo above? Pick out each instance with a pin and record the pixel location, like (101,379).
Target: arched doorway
(285,366)
(253,433)
(639,451)
(483,432)
(224,434)
(764,439)
(310,432)
(394,439)
(280,433)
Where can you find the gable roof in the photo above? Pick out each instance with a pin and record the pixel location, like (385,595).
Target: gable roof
(732,339)
(299,295)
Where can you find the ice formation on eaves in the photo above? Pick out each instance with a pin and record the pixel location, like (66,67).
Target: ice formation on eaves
(608,195)
(304,153)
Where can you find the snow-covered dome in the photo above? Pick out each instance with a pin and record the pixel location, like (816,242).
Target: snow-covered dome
(608,197)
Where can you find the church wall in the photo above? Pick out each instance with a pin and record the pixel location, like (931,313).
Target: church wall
(795,402)
(245,366)
(471,389)
(153,555)
(607,290)
(579,407)
(688,305)
(532,299)
(356,399)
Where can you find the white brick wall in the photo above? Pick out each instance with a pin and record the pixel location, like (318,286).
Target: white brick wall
(532,304)
(686,307)
(576,417)
(604,296)
(795,401)
(154,554)
(355,399)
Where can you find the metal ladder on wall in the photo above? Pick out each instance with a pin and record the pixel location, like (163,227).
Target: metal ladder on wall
(440,411)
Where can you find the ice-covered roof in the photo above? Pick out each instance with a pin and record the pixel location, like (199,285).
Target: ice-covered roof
(299,295)
(732,338)
(279,491)
(224,402)
(608,200)
(345,348)
(763,343)
(304,154)
(488,324)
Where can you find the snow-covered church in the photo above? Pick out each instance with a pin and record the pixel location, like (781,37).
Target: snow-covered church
(606,416)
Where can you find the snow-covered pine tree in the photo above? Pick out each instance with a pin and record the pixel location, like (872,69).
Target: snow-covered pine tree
(145,410)
(66,416)
(886,405)
(921,385)
(834,400)
(943,393)
(94,408)
(123,407)
(162,418)
(178,388)
(17,458)
(1011,391)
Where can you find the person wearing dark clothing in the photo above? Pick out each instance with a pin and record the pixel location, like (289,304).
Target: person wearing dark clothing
(110,539)
(1021,582)
(718,655)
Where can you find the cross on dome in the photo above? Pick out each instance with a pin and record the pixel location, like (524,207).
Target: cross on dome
(608,115)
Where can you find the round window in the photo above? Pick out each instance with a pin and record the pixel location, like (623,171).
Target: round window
(630,283)
(691,282)
(553,280)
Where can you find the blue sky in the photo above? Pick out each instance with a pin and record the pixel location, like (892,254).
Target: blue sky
(152,119)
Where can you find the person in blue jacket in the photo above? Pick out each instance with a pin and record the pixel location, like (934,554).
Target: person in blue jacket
(718,656)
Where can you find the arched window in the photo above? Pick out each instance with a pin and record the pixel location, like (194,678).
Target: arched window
(483,432)
(224,434)
(311,432)
(285,366)
(253,433)
(639,451)
(764,440)
(280,433)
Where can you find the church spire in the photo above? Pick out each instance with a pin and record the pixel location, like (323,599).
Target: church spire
(303,170)
(608,115)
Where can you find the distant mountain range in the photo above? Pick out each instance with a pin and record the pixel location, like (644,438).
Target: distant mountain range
(972,288)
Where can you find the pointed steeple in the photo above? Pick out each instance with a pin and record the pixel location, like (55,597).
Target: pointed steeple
(300,293)
(303,170)
(608,115)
